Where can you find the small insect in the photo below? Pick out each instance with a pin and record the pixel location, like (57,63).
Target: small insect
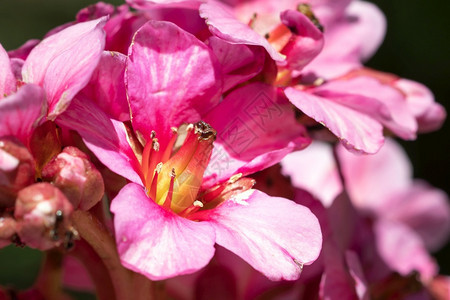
(307,11)
(69,238)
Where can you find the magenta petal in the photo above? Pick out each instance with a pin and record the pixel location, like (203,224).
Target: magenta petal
(63,62)
(239,62)
(403,250)
(169,70)
(307,41)
(107,86)
(356,130)
(106,137)
(356,271)
(223,24)
(276,236)
(255,129)
(7,79)
(23,51)
(156,242)
(21,112)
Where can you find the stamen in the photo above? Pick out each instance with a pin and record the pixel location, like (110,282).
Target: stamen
(154,186)
(192,209)
(168,200)
(149,158)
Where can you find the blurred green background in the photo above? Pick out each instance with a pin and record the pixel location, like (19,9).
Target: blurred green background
(417,46)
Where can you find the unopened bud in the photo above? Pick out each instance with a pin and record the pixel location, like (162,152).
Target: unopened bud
(17,170)
(7,230)
(73,173)
(43,215)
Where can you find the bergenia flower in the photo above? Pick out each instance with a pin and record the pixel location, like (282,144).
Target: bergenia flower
(409,217)
(169,217)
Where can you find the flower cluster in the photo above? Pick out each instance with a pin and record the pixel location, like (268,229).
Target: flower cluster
(237,148)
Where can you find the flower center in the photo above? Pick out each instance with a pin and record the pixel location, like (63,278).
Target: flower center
(173,176)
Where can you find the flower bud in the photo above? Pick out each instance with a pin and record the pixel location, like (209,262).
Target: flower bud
(73,173)
(7,230)
(43,215)
(17,170)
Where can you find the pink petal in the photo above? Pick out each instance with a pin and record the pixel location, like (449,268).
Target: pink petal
(364,175)
(424,209)
(314,170)
(223,24)
(306,43)
(357,131)
(171,79)
(255,129)
(21,112)
(430,115)
(274,235)
(349,40)
(239,62)
(106,137)
(63,62)
(402,250)
(357,273)
(392,108)
(107,86)
(156,242)
(7,79)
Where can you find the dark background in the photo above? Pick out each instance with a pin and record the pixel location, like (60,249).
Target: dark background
(416,46)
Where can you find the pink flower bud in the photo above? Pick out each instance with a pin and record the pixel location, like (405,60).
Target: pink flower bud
(7,230)
(43,217)
(17,170)
(73,173)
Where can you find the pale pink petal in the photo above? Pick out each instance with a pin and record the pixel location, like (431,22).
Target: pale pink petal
(106,137)
(107,86)
(21,112)
(306,42)
(223,24)
(432,119)
(156,242)
(314,170)
(171,79)
(352,38)
(255,129)
(274,235)
(7,79)
(403,250)
(63,62)
(365,175)
(424,209)
(239,62)
(357,131)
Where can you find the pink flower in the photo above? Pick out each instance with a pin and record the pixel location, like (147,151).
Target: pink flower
(409,217)
(187,194)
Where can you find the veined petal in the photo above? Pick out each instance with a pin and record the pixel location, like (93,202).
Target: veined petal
(21,112)
(7,79)
(107,86)
(106,137)
(256,128)
(169,70)
(276,236)
(223,24)
(63,62)
(357,131)
(156,242)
